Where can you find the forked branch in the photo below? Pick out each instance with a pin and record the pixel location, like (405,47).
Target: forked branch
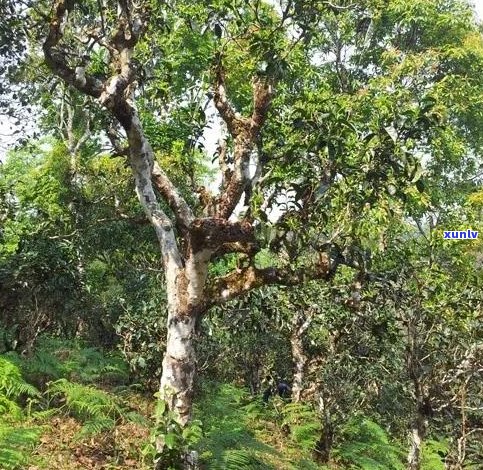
(245,132)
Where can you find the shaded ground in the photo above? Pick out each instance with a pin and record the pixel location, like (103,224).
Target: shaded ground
(61,449)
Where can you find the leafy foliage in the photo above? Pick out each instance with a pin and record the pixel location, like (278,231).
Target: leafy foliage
(304,424)
(367,446)
(16,438)
(177,439)
(98,410)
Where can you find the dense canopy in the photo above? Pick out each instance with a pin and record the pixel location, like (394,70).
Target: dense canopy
(250,208)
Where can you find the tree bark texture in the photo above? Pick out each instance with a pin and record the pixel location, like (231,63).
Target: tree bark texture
(420,415)
(416,439)
(185,305)
(300,323)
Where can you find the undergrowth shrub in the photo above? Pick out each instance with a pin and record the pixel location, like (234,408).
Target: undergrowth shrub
(366,446)
(142,331)
(228,413)
(56,358)
(17,438)
(97,409)
(178,441)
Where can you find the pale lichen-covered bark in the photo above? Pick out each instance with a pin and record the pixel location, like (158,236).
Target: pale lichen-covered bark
(185,305)
(414,456)
(300,323)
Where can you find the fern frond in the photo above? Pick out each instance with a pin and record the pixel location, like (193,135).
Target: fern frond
(431,454)
(16,444)
(240,459)
(56,358)
(9,410)
(44,415)
(12,384)
(136,418)
(367,446)
(96,426)
(304,424)
(97,409)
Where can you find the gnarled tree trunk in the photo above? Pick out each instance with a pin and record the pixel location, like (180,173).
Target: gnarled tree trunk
(185,305)
(185,290)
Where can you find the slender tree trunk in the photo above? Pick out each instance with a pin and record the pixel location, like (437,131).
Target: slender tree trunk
(252,375)
(420,419)
(300,324)
(417,434)
(323,447)
(462,440)
(74,146)
(300,360)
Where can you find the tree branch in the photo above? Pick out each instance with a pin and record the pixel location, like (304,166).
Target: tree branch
(56,60)
(184,214)
(117,95)
(222,236)
(239,281)
(262,98)
(245,133)
(234,121)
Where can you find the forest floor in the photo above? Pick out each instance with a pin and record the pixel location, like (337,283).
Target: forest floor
(235,436)
(70,407)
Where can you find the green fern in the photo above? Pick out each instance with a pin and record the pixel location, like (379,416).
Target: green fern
(16,439)
(55,358)
(89,365)
(97,425)
(240,459)
(9,410)
(228,413)
(366,446)
(41,367)
(304,424)
(16,444)
(12,384)
(431,454)
(97,409)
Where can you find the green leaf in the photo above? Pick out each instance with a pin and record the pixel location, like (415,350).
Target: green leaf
(170,440)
